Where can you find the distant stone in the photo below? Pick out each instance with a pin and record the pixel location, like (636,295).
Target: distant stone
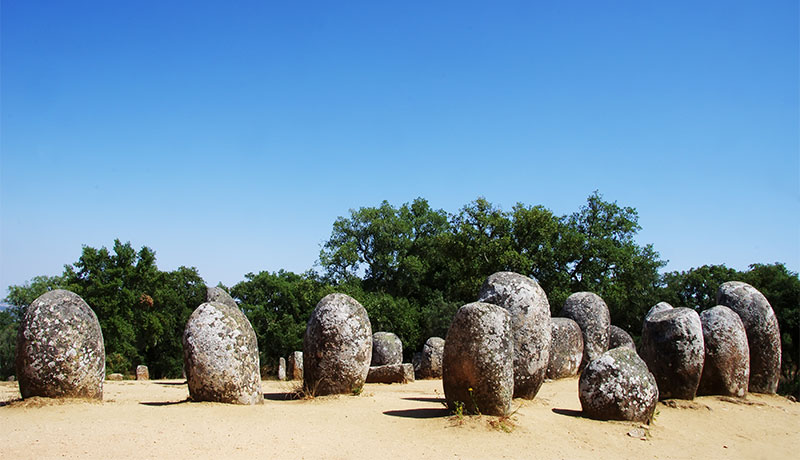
(337,347)
(566,349)
(527,304)
(115,376)
(726,370)
(11,378)
(220,353)
(591,313)
(60,352)
(142,373)
(618,386)
(478,361)
(391,373)
(386,349)
(763,333)
(673,348)
(430,362)
(618,337)
(217,294)
(416,362)
(281,368)
(294,369)
(658,308)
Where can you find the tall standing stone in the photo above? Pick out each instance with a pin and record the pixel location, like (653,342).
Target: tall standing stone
(337,347)
(591,313)
(566,349)
(386,349)
(295,366)
(763,333)
(60,352)
(673,348)
(430,359)
(726,369)
(220,353)
(281,368)
(142,372)
(527,304)
(478,361)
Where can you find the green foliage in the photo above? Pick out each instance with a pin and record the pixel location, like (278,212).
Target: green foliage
(20,297)
(8,343)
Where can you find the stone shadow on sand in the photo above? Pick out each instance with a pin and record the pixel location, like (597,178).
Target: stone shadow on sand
(568,412)
(164,403)
(419,413)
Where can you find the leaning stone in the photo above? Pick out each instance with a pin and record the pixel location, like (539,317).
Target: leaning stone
(281,368)
(527,304)
(142,372)
(217,294)
(763,333)
(618,337)
(591,313)
(430,363)
(618,386)
(295,366)
(115,376)
(220,353)
(478,361)
(60,352)
(566,349)
(386,349)
(726,369)
(672,347)
(337,347)
(391,373)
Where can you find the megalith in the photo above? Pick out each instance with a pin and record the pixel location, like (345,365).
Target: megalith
(566,349)
(429,364)
(618,337)
(726,370)
(386,349)
(591,313)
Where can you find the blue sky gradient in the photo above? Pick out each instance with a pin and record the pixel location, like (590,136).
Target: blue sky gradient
(229,137)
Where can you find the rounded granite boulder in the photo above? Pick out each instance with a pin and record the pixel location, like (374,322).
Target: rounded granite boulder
(763,333)
(566,349)
(618,337)
(429,360)
(60,352)
(386,349)
(217,294)
(673,348)
(591,313)
(220,353)
(527,304)
(478,361)
(726,369)
(337,347)
(618,386)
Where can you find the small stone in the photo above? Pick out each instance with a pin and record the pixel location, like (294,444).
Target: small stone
(142,373)
(430,361)
(618,337)
(281,368)
(591,313)
(566,349)
(386,349)
(11,378)
(391,373)
(726,370)
(115,376)
(294,368)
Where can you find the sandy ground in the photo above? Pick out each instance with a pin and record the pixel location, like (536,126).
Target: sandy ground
(153,419)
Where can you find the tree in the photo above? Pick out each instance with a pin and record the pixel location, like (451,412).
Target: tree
(696,288)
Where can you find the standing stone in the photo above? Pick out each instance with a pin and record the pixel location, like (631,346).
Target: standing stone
(527,304)
(60,352)
(337,347)
(386,349)
(591,313)
(726,369)
(416,362)
(115,376)
(566,349)
(217,294)
(430,360)
(281,368)
(391,373)
(295,366)
(763,333)
(142,373)
(478,361)
(658,308)
(618,337)
(673,348)
(618,386)
(220,353)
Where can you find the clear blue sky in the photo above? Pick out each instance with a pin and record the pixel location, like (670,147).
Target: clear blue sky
(229,135)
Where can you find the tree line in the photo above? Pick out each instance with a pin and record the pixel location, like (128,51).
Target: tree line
(411,267)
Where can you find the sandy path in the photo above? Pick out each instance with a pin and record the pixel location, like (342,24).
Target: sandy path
(152,419)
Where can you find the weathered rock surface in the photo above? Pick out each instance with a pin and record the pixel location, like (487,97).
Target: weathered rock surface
(294,370)
(220,353)
(591,313)
(281,368)
(618,386)
(726,369)
(337,347)
(216,294)
(566,349)
(673,348)
(142,372)
(391,373)
(527,304)
(115,376)
(658,308)
(430,360)
(386,349)
(60,352)
(478,360)
(763,333)
(618,337)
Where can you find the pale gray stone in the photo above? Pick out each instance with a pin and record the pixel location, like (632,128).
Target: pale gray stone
(386,349)
(391,373)
(566,349)
(591,313)
(673,348)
